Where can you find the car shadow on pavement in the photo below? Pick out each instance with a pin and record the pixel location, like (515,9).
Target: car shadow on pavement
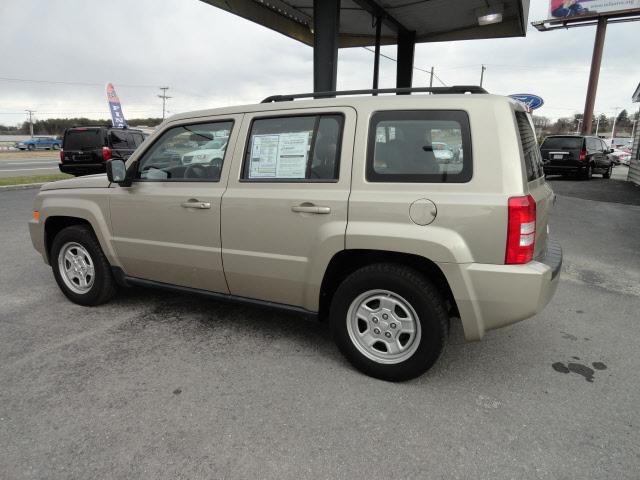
(598,189)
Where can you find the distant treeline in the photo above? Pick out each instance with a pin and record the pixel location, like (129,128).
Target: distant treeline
(56,126)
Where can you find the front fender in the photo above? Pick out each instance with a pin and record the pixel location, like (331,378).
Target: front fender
(91,205)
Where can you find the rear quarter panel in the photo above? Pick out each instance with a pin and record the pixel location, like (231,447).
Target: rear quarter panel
(471,221)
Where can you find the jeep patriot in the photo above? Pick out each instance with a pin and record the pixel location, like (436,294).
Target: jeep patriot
(340,208)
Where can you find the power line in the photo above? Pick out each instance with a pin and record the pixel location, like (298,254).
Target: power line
(89,84)
(430,71)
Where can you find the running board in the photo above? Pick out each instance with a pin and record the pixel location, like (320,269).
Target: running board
(124,280)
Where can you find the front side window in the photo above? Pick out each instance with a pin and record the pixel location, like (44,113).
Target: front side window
(187,153)
(304,148)
(419,146)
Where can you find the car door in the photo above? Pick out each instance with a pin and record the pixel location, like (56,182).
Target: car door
(594,151)
(166,225)
(284,213)
(605,152)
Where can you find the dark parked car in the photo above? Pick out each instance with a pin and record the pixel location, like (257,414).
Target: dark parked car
(86,149)
(577,155)
(39,143)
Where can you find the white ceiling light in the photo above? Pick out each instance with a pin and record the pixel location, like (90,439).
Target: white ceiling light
(490,14)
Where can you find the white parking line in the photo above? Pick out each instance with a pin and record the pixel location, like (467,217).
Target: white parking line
(28,163)
(25,169)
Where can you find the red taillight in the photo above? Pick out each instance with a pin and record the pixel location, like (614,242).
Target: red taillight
(583,155)
(106,153)
(521,230)
(61,155)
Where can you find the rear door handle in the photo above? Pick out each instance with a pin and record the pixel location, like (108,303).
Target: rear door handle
(196,204)
(310,208)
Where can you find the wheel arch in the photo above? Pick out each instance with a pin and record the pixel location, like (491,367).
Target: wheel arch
(55,224)
(346,262)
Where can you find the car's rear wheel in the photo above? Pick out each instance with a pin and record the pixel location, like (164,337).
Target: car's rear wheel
(80,267)
(31,147)
(389,321)
(587,174)
(56,146)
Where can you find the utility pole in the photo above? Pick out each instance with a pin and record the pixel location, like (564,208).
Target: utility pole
(482,74)
(164,98)
(596,61)
(30,112)
(613,129)
(431,79)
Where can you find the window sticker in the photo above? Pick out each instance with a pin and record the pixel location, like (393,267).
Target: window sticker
(281,155)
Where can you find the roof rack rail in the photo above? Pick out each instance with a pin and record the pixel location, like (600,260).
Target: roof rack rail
(374,91)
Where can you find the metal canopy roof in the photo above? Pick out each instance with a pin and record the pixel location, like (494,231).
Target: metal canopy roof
(431,20)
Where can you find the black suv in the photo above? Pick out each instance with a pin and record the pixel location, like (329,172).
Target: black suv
(576,154)
(86,149)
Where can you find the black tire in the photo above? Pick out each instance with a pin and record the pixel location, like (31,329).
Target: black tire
(31,147)
(104,286)
(588,173)
(423,297)
(56,147)
(607,174)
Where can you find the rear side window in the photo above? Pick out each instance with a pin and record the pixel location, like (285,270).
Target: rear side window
(428,146)
(594,145)
(83,139)
(120,139)
(291,149)
(562,142)
(137,139)
(532,157)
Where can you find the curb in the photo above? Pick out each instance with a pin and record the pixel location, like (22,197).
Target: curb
(23,186)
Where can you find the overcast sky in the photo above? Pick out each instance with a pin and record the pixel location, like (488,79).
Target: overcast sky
(211,58)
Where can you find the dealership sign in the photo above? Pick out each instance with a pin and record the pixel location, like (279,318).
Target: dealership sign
(530,101)
(572,8)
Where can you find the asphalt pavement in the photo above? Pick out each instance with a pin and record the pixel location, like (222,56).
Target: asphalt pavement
(162,386)
(19,164)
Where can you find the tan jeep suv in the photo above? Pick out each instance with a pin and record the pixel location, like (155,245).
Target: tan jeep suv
(388,216)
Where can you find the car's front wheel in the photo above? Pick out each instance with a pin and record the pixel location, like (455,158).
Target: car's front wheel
(55,146)
(80,267)
(607,174)
(389,321)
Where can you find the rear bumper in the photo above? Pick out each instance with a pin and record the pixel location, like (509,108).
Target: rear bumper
(493,296)
(82,168)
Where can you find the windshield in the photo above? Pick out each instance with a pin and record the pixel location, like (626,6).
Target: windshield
(82,139)
(562,142)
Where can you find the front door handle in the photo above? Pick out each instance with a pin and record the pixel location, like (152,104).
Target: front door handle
(193,203)
(310,208)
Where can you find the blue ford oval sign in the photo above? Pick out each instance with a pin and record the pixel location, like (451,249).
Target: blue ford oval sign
(531,101)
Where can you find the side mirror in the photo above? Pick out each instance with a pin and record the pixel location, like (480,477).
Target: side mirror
(117,172)
(610,150)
